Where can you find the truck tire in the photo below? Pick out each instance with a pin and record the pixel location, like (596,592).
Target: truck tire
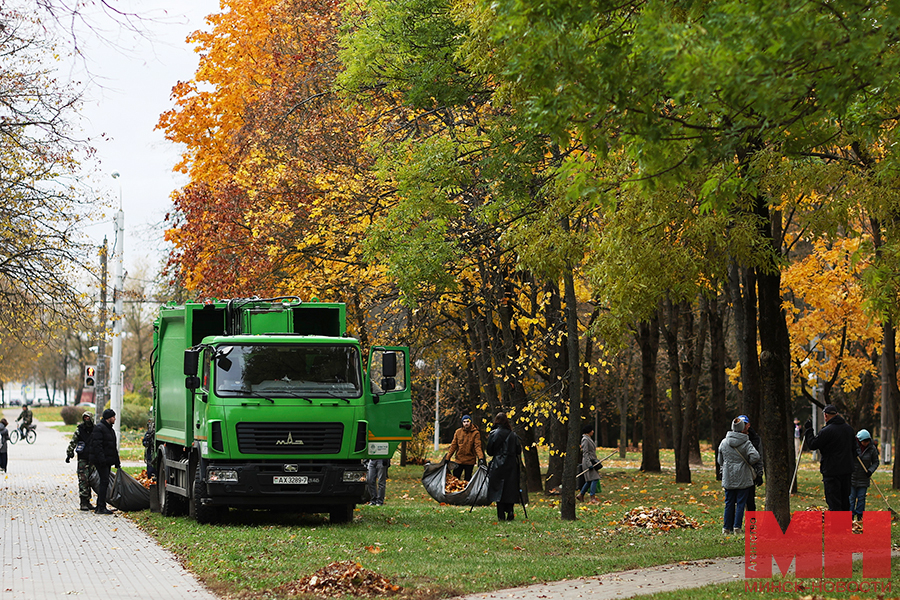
(342,513)
(200,513)
(170,504)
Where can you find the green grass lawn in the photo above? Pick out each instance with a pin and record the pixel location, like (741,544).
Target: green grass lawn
(435,551)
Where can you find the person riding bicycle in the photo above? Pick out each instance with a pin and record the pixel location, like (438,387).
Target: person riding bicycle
(26,416)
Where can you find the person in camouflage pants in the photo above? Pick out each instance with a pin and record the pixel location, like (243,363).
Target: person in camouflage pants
(80,444)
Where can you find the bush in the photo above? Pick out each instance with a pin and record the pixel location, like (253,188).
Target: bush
(137,400)
(134,417)
(71,415)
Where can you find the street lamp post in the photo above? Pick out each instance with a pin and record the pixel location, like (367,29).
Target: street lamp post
(116,395)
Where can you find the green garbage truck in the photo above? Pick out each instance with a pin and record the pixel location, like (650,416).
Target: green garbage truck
(269,404)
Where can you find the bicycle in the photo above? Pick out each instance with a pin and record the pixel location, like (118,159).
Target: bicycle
(18,433)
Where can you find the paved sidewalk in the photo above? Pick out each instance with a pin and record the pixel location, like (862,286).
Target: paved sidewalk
(50,549)
(628,584)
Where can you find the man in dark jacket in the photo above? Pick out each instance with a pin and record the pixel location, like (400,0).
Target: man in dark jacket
(80,445)
(837,444)
(105,455)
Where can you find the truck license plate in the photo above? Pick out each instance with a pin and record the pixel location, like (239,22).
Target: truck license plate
(290,480)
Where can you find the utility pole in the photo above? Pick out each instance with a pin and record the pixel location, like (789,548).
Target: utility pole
(99,391)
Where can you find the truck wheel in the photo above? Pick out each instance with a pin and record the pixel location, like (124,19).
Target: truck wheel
(170,504)
(200,513)
(342,513)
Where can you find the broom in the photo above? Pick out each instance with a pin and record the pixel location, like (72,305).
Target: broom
(894,516)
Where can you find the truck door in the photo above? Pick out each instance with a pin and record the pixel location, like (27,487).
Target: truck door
(389,412)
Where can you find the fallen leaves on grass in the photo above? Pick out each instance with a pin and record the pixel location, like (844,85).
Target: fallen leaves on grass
(659,518)
(339,579)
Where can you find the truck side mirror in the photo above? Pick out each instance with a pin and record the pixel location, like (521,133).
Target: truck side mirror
(388,384)
(389,365)
(191,362)
(192,382)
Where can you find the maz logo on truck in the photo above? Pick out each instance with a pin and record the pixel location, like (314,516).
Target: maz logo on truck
(289,441)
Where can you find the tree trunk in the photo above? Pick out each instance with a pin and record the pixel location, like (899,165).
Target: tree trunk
(718,390)
(573,439)
(478,339)
(622,401)
(889,392)
(690,369)
(777,431)
(557,361)
(671,328)
(649,344)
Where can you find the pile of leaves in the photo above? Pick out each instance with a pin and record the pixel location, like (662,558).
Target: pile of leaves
(144,479)
(344,578)
(658,518)
(453,484)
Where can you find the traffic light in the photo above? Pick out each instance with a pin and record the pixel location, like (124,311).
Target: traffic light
(90,376)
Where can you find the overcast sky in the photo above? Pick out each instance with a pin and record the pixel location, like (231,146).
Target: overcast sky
(132,77)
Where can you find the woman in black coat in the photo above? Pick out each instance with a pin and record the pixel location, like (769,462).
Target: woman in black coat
(503,472)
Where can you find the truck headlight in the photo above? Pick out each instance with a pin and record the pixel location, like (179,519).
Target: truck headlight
(354,476)
(221,476)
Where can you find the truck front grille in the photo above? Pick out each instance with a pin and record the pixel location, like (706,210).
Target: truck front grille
(290,438)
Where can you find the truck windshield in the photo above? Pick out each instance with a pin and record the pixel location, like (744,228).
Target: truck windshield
(290,370)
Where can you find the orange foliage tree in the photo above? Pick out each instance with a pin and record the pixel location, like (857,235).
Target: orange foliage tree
(280,188)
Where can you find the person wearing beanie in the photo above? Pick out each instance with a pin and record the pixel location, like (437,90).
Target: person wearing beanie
(104,454)
(736,456)
(466,445)
(80,445)
(836,442)
(864,466)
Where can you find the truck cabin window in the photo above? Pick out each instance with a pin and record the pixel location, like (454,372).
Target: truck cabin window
(288,370)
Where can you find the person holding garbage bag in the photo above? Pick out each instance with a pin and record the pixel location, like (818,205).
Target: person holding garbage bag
(466,445)
(503,472)
(104,455)
(80,445)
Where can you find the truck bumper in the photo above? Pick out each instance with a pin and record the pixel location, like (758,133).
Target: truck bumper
(314,487)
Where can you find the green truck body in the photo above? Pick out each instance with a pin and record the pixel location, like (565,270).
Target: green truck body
(268,404)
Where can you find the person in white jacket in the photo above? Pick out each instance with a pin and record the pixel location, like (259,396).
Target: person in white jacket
(736,457)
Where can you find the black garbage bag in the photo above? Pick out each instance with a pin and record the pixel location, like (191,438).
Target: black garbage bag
(475,493)
(94,480)
(126,493)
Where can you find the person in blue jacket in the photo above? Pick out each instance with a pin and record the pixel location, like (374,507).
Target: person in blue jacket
(863,468)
